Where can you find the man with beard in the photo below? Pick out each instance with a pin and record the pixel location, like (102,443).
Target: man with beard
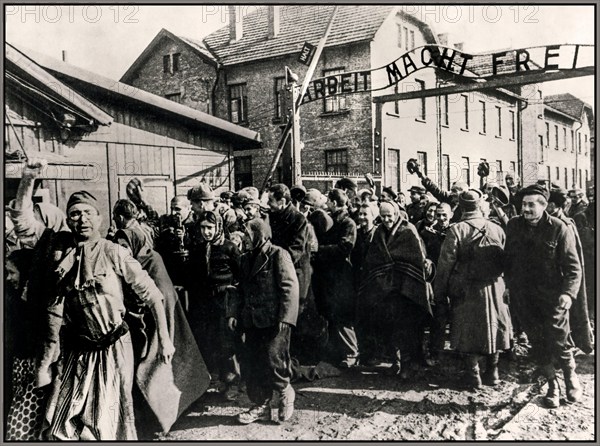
(543,274)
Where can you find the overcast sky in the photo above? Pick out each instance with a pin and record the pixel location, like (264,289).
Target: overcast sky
(107,39)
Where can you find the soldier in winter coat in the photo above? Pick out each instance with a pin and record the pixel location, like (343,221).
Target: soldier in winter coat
(474,284)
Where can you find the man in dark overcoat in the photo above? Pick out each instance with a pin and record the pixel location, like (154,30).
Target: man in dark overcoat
(290,231)
(543,273)
(334,285)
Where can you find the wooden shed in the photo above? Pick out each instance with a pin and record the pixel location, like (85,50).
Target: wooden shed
(98,133)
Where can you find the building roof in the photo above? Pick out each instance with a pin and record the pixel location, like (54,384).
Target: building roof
(195,46)
(139,96)
(298,23)
(569,105)
(48,86)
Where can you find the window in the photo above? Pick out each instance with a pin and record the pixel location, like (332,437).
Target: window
(334,103)
(580,178)
(465,171)
(444,110)
(556,137)
(466,115)
(167,64)
(572,141)
(406,37)
(557,173)
(566,179)
(573,176)
(446,170)
(422,159)
(541,148)
(564,139)
(499,114)
(175,97)
(336,161)
(585,145)
(513,167)
(394,168)
(586,176)
(579,142)
(421,113)
(176,57)
(238,104)
(499,166)
(512,124)
(243,171)
(399,35)
(280,113)
(396,102)
(483,120)
(412,40)
(547,134)
(548,175)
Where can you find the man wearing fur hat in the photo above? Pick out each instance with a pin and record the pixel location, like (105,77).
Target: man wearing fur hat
(91,398)
(543,273)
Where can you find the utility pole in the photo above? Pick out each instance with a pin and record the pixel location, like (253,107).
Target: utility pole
(293,125)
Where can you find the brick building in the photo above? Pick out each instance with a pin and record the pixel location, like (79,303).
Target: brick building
(237,73)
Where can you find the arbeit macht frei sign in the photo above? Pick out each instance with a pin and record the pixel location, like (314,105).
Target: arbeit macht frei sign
(472,66)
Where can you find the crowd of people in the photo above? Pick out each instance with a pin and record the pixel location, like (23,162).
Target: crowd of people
(108,337)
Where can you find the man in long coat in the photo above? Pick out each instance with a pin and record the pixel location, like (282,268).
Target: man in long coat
(334,287)
(290,231)
(543,273)
(480,317)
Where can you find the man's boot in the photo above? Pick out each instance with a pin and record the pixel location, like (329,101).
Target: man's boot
(552,398)
(490,376)
(574,390)
(472,377)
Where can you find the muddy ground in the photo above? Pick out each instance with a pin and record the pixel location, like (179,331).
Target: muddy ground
(365,404)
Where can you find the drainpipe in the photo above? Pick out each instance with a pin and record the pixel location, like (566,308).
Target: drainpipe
(213,94)
(576,155)
(521,105)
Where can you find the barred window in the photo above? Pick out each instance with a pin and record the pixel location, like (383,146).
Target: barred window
(336,161)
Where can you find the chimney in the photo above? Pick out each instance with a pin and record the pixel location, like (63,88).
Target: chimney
(64,55)
(459,46)
(443,38)
(235,24)
(273,14)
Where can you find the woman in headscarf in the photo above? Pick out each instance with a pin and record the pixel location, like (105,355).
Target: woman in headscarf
(166,389)
(395,286)
(212,276)
(428,219)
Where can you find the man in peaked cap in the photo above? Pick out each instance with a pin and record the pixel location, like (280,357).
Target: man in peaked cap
(578,205)
(202,198)
(415,209)
(544,273)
